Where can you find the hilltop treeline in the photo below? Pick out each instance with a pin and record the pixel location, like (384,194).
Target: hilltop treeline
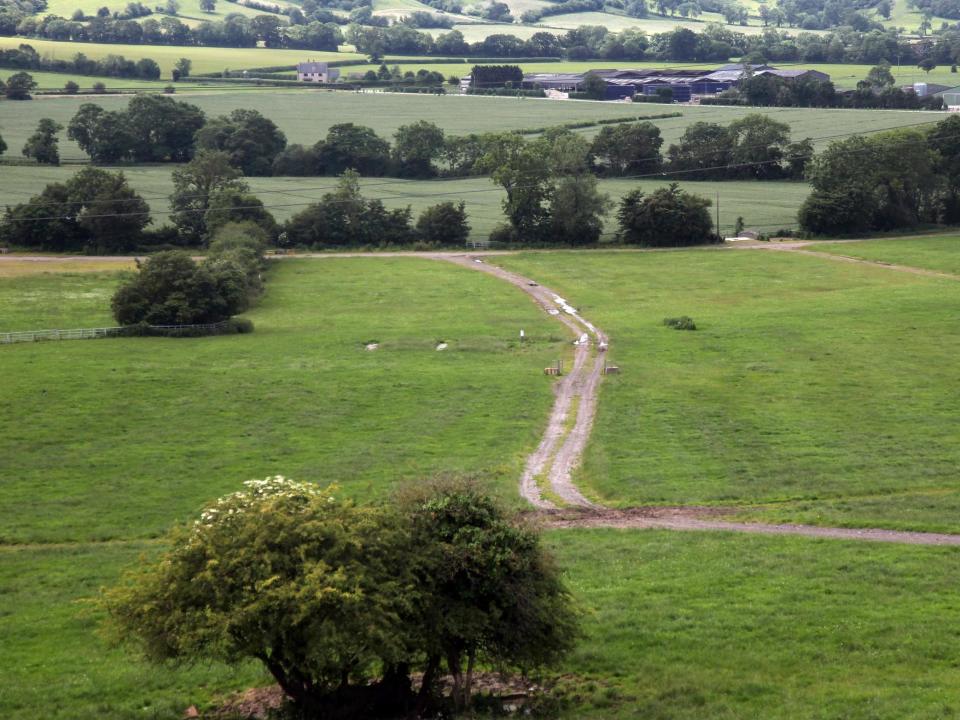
(233,31)
(893,180)
(156,128)
(26,58)
(716,43)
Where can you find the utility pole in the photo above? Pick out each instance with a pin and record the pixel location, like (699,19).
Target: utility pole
(718,213)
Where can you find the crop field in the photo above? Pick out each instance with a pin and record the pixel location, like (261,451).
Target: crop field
(812,391)
(306,115)
(767,207)
(938,252)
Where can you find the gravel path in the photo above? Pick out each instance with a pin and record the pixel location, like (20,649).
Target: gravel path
(709,519)
(560,450)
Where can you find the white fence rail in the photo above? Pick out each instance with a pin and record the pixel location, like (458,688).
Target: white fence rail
(129,330)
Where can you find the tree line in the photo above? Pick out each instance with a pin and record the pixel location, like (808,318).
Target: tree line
(155,128)
(716,43)
(235,30)
(892,180)
(27,58)
(551,194)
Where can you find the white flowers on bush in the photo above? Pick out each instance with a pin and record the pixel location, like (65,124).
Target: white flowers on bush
(257,492)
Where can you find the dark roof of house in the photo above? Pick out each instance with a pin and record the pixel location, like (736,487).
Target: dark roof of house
(311,67)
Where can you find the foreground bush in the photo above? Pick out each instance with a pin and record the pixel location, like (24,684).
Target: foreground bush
(341,602)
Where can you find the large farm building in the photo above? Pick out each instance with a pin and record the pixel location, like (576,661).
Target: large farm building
(683,83)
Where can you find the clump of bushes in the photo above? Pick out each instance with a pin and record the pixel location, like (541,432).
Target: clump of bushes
(680,323)
(667,217)
(171,288)
(341,603)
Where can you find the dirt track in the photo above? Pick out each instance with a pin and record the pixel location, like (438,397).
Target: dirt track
(560,450)
(710,519)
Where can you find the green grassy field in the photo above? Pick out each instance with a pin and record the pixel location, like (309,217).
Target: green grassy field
(56,301)
(939,252)
(205,59)
(677,625)
(903,16)
(807,380)
(690,626)
(124,436)
(189,12)
(56,81)
(55,663)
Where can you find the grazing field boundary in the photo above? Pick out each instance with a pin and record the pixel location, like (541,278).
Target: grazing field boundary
(9,338)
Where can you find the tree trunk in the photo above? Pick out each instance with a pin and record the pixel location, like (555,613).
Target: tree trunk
(426,686)
(293,690)
(468,681)
(453,665)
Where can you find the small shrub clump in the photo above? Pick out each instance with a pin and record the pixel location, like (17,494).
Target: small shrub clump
(680,323)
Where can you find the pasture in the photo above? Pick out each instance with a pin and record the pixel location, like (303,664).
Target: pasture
(119,439)
(160,427)
(811,391)
(931,252)
(688,626)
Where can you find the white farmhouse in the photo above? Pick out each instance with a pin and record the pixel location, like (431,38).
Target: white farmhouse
(316,72)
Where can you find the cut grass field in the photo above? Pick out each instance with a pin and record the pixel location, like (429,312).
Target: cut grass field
(766,206)
(807,380)
(937,252)
(651,24)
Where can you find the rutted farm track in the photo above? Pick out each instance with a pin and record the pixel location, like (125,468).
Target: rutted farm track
(561,448)
(559,454)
